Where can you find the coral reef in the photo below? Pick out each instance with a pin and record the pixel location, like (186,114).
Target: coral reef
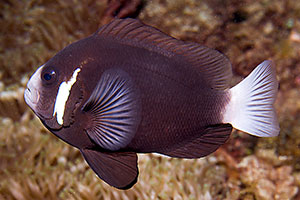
(33,31)
(34,164)
(265,181)
(121,9)
(248,32)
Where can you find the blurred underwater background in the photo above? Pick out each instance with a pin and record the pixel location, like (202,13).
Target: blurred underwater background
(34,164)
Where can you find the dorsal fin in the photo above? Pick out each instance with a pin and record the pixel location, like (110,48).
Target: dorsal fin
(213,66)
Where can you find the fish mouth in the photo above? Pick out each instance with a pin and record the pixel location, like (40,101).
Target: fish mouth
(31,96)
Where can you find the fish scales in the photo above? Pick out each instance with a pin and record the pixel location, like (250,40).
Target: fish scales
(169,89)
(130,88)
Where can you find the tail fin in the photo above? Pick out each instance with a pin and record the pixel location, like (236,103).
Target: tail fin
(251,103)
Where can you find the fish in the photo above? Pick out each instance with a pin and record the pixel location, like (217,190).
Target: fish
(130,88)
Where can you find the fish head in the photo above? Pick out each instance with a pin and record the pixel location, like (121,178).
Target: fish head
(54,91)
(41,92)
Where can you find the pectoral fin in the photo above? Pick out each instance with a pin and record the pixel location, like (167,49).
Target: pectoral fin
(114,110)
(118,169)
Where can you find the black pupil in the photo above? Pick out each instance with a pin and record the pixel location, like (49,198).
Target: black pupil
(49,75)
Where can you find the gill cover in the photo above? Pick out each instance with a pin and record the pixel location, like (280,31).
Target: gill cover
(62,97)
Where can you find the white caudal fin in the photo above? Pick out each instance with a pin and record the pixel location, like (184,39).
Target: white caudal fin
(250,108)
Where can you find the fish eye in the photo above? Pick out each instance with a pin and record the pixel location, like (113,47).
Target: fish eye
(49,76)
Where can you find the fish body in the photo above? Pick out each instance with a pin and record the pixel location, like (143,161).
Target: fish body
(129,88)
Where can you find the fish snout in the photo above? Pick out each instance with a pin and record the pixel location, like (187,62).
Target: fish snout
(31,95)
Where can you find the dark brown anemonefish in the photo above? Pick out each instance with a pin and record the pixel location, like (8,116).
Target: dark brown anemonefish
(130,88)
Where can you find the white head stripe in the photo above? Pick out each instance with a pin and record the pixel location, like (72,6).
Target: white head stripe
(62,97)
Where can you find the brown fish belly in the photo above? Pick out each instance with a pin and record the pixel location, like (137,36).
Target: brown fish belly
(177,105)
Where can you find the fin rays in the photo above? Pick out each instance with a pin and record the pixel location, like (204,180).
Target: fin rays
(114,108)
(215,67)
(206,142)
(118,169)
(251,106)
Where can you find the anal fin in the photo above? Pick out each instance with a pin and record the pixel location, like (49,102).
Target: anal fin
(118,169)
(208,142)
